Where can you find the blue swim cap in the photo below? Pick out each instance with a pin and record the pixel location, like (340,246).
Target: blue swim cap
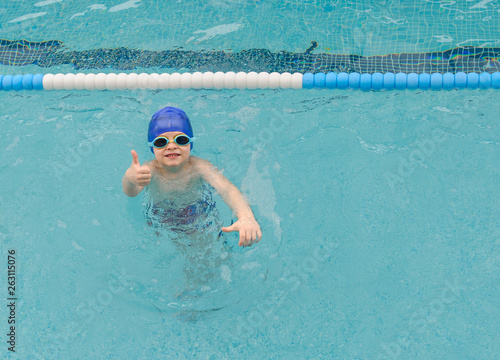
(169,119)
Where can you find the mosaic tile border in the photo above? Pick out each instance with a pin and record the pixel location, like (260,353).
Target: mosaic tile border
(53,53)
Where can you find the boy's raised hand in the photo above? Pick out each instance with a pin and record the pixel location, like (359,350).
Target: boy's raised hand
(138,174)
(249,231)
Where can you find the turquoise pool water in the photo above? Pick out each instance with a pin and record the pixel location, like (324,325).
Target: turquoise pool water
(379,211)
(359,253)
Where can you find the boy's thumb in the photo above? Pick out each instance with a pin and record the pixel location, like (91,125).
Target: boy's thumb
(228,228)
(135,158)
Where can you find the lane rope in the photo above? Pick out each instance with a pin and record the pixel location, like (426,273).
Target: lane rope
(250,81)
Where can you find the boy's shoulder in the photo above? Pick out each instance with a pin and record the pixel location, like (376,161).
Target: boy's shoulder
(201,165)
(199,162)
(150,164)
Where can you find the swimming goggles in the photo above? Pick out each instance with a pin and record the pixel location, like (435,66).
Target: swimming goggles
(161,141)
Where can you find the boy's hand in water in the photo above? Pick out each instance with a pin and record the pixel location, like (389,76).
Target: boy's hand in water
(249,231)
(138,174)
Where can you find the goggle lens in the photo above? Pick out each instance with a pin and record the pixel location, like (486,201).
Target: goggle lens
(182,140)
(160,143)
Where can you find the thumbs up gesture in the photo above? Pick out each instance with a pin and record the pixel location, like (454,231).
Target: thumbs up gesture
(138,174)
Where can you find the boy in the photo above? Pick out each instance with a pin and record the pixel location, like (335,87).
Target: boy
(175,177)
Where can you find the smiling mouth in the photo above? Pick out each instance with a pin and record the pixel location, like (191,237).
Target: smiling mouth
(172,155)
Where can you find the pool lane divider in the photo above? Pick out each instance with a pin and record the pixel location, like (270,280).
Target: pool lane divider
(251,80)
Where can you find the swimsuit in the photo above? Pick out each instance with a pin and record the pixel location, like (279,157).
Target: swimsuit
(187,219)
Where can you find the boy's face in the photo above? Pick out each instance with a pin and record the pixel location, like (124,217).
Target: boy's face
(172,155)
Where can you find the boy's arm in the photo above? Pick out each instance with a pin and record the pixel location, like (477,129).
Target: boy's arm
(247,225)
